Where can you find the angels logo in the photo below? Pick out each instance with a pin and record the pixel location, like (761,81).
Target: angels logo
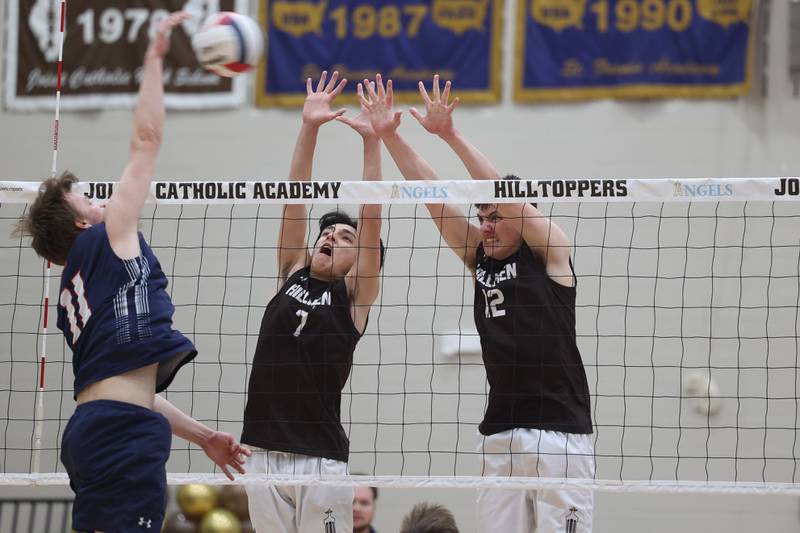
(329,521)
(571,521)
(44,22)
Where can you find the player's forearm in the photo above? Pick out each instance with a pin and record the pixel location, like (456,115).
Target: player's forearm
(412,166)
(372,160)
(182,425)
(303,156)
(148,122)
(478,165)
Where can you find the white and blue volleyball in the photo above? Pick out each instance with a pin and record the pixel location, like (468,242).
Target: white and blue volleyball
(228,44)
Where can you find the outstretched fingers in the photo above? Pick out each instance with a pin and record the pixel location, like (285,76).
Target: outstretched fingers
(379,84)
(397,116)
(446,93)
(331,85)
(453,104)
(389,94)
(171,21)
(424,94)
(322,78)
(371,87)
(339,88)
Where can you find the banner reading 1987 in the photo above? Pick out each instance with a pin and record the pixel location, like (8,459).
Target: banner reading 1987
(405,40)
(584,49)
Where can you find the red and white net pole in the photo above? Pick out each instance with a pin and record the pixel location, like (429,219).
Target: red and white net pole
(39,416)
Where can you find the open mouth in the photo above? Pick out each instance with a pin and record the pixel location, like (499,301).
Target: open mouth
(326,249)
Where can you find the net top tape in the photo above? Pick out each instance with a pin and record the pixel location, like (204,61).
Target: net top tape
(441,191)
(463,482)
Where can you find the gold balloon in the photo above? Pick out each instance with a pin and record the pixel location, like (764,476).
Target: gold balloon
(234,499)
(178,523)
(196,500)
(220,521)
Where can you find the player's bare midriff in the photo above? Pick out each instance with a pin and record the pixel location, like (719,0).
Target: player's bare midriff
(137,387)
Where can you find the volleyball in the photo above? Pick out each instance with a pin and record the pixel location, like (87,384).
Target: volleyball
(228,44)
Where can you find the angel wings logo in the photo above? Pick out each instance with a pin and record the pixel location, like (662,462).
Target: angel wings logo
(43,21)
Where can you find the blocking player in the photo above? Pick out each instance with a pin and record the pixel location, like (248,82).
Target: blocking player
(537,421)
(305,345)
(117,318)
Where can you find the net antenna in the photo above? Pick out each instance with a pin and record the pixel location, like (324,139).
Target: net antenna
(39,414)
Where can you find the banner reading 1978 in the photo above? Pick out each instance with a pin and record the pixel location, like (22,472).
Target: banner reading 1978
(404,40)
(584,49)
(104,45)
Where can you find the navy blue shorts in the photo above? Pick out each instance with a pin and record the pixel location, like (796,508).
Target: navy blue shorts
(115,454)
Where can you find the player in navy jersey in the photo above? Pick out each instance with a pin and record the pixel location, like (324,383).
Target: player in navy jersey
(305,345)
(537,421)
(116,317)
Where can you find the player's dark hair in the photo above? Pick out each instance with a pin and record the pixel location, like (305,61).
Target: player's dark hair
(50,220)
(340,217)
(506,177)
(429,518)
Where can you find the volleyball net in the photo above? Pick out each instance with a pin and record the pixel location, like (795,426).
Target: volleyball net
(686,318)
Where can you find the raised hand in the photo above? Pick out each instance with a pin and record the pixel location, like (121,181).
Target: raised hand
(160,43)
(223,449)
(378,105)
(438,117)
(317,107)
(361,123)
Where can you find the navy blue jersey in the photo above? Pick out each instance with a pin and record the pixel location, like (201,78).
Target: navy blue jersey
(526,323)
(302,361)
(116,314)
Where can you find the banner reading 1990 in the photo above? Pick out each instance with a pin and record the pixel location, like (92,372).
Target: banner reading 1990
(405,40)
(583,49)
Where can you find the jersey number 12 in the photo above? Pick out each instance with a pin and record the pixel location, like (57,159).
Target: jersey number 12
(493,298)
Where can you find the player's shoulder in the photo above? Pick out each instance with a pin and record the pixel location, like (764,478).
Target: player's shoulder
(97,231)
(89,240)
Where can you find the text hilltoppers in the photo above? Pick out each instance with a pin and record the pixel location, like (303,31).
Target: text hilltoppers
(600,188)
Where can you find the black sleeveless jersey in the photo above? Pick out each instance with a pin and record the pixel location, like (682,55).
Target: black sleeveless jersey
(302,361)
(526,323)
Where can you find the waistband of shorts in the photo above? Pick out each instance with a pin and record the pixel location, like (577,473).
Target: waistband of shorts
(256,449)
(116,405)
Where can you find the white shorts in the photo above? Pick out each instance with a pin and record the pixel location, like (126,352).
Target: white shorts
(536,453)
(298,509)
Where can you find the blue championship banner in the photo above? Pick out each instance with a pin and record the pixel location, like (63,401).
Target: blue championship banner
(405,40)
(584,49)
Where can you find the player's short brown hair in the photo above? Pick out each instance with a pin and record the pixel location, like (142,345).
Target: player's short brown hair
(429,518)
(506,177)
(50,220)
